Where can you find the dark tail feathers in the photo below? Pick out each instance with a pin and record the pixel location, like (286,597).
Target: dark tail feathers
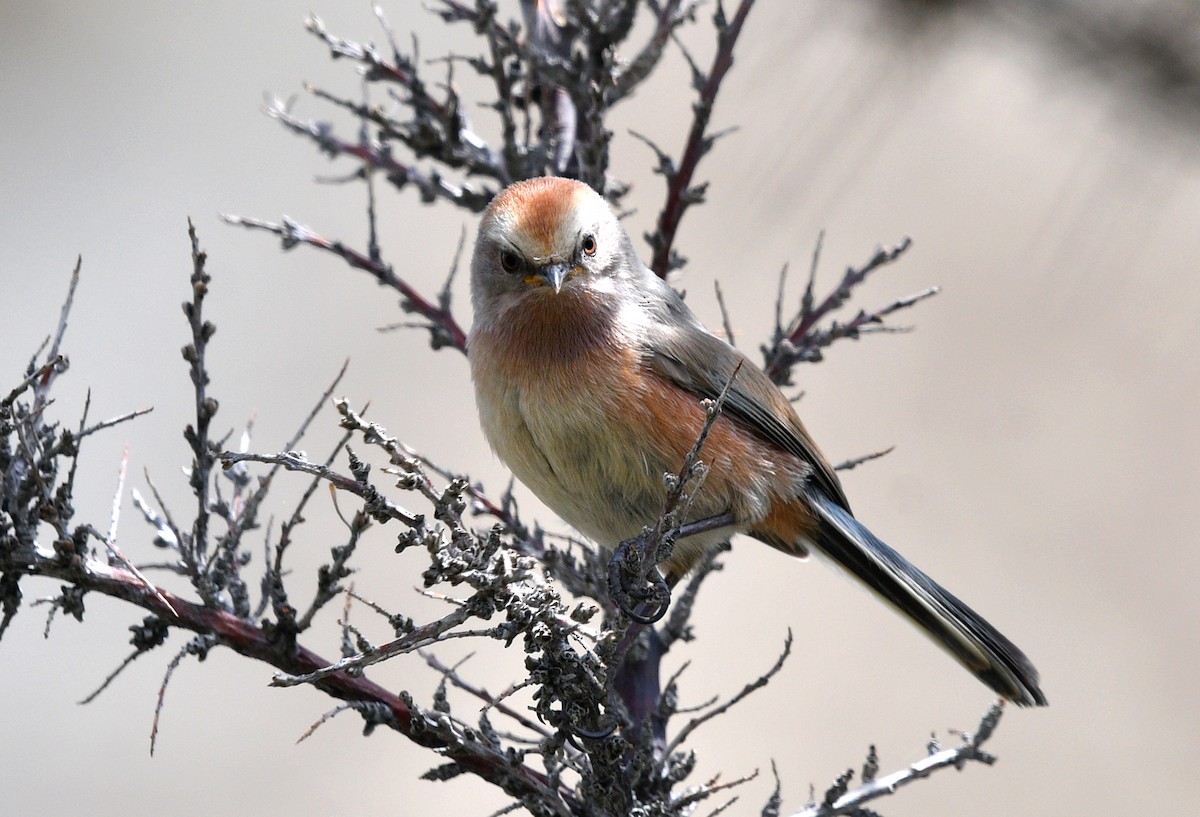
(954,626)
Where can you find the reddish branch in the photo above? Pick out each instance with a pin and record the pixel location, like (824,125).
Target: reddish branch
(802,340)
(679,194)
(853,278)
(445,329)
(377,68)
(432,185)
(276,649)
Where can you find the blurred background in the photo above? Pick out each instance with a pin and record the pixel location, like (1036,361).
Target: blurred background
(1042,155)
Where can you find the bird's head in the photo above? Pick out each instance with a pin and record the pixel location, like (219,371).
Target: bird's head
(548,238)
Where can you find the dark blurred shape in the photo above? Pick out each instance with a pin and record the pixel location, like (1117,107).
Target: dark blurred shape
(1148,51)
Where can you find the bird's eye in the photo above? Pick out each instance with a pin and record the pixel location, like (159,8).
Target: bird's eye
(588,245)
(509,261)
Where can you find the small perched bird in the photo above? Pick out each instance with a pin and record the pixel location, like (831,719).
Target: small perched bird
(589,372)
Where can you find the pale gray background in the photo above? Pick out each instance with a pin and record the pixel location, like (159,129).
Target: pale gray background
(1044,413)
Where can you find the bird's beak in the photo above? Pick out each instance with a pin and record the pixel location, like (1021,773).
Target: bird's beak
(556,274)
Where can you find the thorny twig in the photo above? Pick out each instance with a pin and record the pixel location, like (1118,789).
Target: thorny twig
(194,544)
(852,801)
(802,340)
(411,642)
(444,330)
(377,505)
(214,622)
(680,193)
(754,685)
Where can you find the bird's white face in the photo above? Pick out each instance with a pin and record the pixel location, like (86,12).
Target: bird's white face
(543,237)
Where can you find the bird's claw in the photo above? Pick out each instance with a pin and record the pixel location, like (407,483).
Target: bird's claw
(633,600)
(576,733)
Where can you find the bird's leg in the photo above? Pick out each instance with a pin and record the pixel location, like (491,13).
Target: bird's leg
(636,680)
(633,583)
(706,524)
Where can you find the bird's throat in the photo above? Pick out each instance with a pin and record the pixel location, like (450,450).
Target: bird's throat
(550,329)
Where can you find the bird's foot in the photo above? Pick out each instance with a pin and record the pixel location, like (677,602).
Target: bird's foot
(576,733)
(644,596)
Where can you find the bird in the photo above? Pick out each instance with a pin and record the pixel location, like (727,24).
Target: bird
(589,374)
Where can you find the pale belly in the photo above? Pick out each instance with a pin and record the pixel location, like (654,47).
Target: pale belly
(581,453)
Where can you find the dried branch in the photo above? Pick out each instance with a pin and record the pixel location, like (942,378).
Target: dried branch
(56,365)
(711,787)
(677,626)
(775,801)
(420,637)
(379,506)
(852,802)
(113,421)
(375,155)
(747,690)
(491,701)
(247,518)
(671,15)
(244,638)
(680,193)
(802,340)
(42,386)
(444,330)
(194,545)
(854,462)
(200,645)
(726,324)
(633,578)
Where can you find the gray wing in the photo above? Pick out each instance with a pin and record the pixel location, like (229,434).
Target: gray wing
(685,353)
(678,348)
